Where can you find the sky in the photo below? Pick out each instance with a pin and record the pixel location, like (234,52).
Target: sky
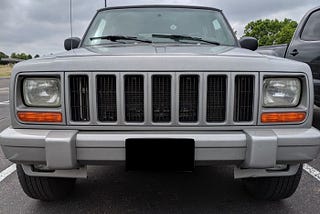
(40,27)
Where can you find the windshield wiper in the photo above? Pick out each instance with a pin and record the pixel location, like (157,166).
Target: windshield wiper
(178,38)
(115,38)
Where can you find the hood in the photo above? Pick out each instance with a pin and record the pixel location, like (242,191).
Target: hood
(140,50)
(146,57)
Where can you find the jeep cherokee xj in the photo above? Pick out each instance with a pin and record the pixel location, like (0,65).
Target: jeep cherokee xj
(160,87)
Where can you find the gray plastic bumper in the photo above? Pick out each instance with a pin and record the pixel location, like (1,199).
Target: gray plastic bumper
(252,149)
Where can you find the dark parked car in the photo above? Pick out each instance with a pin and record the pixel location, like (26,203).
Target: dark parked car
(304,47)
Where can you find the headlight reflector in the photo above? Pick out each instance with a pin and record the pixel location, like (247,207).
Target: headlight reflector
(42,92)
(281,92)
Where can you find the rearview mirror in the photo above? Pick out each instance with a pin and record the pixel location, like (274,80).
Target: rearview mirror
(71,43)
(249,43)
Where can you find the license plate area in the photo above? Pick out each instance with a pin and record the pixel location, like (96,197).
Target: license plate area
(160,154)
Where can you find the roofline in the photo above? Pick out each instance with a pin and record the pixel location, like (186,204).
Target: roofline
(160,6)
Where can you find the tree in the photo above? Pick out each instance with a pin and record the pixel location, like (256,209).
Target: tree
(36,56)
(3,55)
(13,56)
(22,56)
(271,32)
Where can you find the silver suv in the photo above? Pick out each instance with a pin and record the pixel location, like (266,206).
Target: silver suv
(160,88)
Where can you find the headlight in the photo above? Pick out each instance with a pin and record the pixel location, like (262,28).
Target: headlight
(42,92)
(281,92)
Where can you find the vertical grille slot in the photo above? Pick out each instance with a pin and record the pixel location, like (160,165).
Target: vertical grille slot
(244,97)
(107,98)
(79,94)
(161,98)
(216,98)
(189,98)
(134,98)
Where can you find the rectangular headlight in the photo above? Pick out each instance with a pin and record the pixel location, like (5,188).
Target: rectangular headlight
(281,92)
(42,92)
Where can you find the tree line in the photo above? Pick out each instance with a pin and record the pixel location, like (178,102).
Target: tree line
(22,56)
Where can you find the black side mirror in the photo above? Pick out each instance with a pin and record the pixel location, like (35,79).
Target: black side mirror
(249,43)
(71,43)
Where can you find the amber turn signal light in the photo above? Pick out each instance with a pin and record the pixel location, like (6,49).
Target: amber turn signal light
(40,117)
(288,117)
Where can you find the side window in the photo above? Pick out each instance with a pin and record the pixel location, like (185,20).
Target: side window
(311,31)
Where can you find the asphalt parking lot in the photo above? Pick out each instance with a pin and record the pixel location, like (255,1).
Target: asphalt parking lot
(112,190)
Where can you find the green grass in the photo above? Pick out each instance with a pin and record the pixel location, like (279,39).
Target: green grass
(5,70)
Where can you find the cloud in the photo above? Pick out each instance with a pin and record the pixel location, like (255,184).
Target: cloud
(40,27)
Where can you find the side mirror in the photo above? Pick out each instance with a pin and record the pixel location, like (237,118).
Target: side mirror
(71,43)
(249,43)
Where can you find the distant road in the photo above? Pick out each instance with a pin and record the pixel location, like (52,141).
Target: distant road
(4,116)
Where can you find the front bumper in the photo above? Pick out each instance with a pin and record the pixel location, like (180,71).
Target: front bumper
(252,149)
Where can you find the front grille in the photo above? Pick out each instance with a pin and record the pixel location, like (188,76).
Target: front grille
(107,98)
(244,97)
(216,98)
(134,98)
(79,98)
(161,98)
(151,99)
(189,98)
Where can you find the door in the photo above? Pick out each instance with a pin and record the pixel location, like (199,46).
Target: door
(305,47)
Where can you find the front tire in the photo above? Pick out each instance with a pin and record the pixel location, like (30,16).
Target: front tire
(273,188)
(44,188)
(316,117)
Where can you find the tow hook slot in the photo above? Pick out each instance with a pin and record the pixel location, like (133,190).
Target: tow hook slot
(280,170)
(73,173)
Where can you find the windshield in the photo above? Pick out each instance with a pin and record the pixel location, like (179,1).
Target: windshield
(143,23)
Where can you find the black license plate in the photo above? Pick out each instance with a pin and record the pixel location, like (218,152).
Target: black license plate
(160,154)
